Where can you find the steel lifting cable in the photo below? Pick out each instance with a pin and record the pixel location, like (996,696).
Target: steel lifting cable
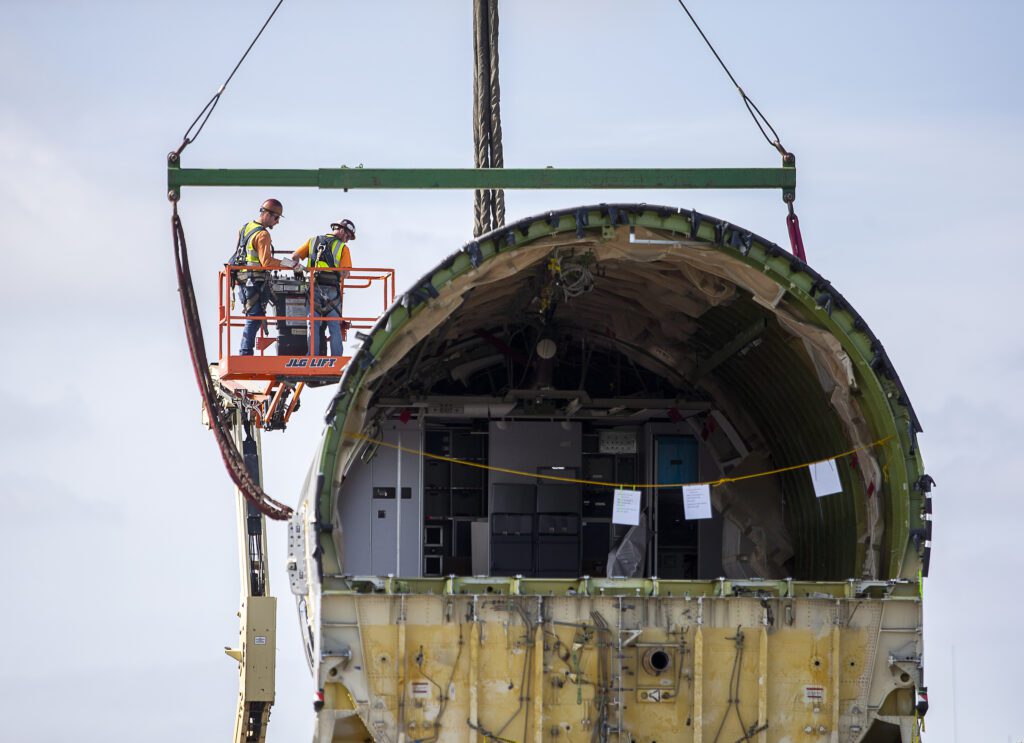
(755,112)
(796,240)
(482,198)
(481,212)
(218,420)
(204,115)
(497,153)
(233,460)
(488,204)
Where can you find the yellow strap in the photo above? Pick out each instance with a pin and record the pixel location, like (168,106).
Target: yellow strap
(629,486)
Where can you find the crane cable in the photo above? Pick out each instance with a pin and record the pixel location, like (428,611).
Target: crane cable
(796,240)
(488,204)
(752,108)
(219,422)
(207,111)
(218,417)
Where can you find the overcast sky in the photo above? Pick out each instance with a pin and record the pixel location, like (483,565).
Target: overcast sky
(120,576)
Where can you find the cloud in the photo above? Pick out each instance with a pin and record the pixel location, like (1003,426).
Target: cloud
(30,418)
(39,181)
(38,500)
(109,703)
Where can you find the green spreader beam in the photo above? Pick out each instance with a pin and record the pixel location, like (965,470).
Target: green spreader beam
(783,178)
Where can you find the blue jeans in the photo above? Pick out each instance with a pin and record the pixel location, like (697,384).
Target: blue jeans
(328,304)
(253,298)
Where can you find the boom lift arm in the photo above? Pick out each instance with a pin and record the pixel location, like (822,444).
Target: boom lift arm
(257,641)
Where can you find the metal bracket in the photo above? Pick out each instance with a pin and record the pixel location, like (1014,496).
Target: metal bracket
(297,555)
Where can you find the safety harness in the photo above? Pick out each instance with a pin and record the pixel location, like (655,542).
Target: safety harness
(253,283)
(325,251)
(245,253)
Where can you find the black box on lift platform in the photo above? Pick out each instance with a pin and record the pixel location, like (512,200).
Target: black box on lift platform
(290,295)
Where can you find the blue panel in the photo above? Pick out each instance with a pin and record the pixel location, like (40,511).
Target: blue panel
(676,458)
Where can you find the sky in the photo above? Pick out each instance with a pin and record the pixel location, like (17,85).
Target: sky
(119,569)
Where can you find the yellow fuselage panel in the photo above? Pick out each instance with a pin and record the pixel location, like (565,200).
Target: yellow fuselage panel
(641,669)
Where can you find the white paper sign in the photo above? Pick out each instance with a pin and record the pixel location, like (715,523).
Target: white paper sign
(626,508)
(697,502)
(825,478)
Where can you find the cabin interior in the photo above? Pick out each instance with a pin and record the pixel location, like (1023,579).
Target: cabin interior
(464,520)
(632,362)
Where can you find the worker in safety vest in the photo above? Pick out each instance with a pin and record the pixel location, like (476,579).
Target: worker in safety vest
(255,249)
(322,253)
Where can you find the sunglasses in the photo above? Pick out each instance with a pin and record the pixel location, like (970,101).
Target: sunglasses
(272,213)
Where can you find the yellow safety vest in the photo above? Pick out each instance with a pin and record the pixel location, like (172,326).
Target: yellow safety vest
(246,240)
(327,251)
